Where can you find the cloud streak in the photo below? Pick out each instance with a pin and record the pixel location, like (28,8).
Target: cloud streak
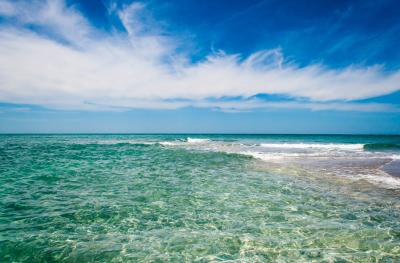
(65,63)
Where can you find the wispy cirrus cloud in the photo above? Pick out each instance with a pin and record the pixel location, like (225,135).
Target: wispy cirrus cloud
(53,57)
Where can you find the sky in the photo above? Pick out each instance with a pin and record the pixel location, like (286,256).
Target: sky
(186,66)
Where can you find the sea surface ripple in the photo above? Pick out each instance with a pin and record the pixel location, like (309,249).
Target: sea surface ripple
(192,198)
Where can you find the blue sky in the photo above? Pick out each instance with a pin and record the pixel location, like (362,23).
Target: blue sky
(200,66)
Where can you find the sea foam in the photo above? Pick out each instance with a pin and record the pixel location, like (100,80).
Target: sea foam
(197,140)
(333,146)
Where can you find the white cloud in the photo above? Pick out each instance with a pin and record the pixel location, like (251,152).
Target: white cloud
(84,69)
(6,8)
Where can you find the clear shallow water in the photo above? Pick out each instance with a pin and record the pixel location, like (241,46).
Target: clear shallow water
(175,198)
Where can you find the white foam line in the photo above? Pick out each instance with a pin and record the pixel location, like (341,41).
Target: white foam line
(382,179)
(166,143)
(357,146)
(270,156)
(197,140)
(395,157)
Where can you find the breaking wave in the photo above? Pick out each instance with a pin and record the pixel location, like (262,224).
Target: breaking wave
(332,146)
(197,140)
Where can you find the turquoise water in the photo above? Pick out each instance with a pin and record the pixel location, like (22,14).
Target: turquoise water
(199,198)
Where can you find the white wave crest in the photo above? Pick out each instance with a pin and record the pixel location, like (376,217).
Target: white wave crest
(271,156)
(395,157)
(168,143)
(333,146)
(197,140)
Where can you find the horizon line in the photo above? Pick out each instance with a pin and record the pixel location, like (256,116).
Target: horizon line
(195,133)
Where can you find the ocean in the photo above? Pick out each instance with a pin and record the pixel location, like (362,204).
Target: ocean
(199,198)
